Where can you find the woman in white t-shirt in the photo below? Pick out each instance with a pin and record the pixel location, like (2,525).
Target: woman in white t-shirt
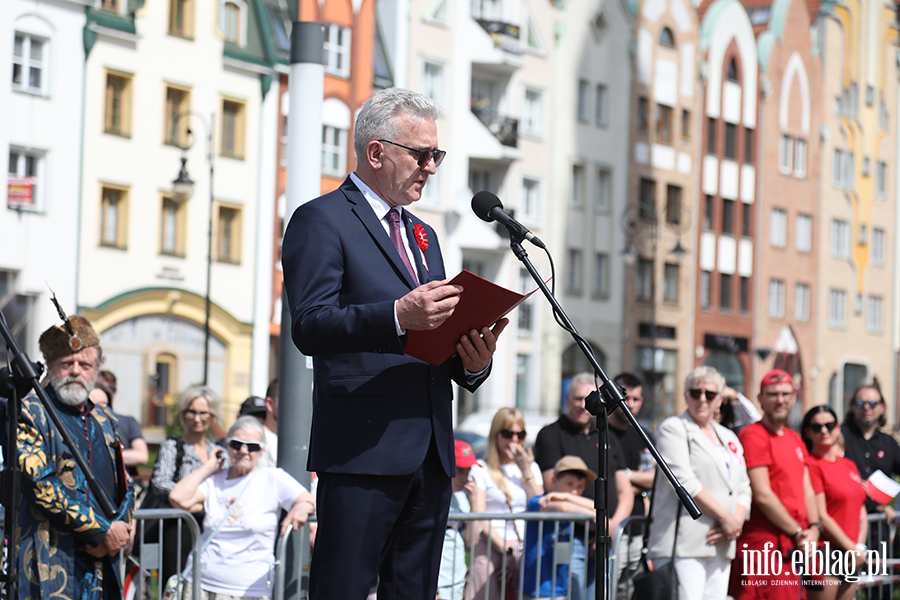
(508,477)
(237,563)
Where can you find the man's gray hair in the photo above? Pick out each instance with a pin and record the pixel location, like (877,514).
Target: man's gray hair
(377,116)
(248,422)
(581,379)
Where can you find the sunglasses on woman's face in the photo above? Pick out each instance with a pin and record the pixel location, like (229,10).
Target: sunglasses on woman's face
(818,427)
(696,393)
(507,434)
(236,445)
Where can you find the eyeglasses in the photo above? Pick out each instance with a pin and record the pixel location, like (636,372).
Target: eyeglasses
(507,434)
(424,155)
(236,445)
(696,393)
(193,414)
(784,395)
(818,427)
(863,403)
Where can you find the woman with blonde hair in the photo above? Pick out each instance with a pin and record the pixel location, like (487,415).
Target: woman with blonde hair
(505,481)
(179,456)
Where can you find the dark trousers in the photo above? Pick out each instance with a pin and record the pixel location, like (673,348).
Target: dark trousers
(389,525)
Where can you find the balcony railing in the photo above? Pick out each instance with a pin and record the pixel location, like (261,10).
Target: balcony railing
(505,129)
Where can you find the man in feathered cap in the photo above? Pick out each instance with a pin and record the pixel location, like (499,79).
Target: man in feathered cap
(67,547)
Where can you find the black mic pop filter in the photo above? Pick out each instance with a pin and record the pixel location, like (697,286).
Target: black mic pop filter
(482,204)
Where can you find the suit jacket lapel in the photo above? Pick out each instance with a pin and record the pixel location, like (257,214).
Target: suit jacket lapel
(365,214)
(707,446)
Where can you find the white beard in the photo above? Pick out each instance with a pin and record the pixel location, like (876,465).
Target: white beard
(72,391)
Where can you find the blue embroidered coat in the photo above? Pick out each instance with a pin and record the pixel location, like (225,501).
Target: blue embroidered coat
(58,515)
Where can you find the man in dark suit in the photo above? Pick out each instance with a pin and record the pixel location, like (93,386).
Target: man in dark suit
(358,278)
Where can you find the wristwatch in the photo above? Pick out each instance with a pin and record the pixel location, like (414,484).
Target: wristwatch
(817,526)
(798,532)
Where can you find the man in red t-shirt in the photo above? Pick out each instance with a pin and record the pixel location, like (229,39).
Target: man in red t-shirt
(783,515)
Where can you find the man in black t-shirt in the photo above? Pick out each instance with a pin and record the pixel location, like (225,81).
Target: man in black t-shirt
(575,433)
(629,551)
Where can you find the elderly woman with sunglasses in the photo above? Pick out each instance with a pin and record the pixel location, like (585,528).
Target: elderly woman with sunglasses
(840,497)
(709,461)
(238,559)
(504,482)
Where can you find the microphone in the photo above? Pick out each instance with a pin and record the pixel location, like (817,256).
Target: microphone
(488,208)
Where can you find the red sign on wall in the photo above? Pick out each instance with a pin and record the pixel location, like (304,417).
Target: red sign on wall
(19,193)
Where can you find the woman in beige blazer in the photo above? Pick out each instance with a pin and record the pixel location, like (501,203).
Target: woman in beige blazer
(709,461)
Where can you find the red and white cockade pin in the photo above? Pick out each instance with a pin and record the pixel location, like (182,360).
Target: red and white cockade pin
(422,240)
(732,447)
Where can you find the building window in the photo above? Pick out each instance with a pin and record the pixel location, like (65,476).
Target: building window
(804,233)
(172,227)
(776,298)
(670,283)
(523,368)
(573,282)
(745,295)
(800,158)
(601,275)
(728,217)
(880,177)
(337,50)
(601,111)
(583,90)
(685,125)
(110,5)
(664,123)
(486,10)
(840,239)
(114,217)
(181,14)
(604,180)
(673,205)
(801,302)
(643,283)
(433,81)
(785,154)
(843,169)
(666,38)
(711,135)
(531,199)
(577,185)
(231,24)
(748,146)
(533,113)
(725,292)
(874,314)
(705,292)
(643,114)
(30,55)
(228,234)
(525,320)
(334,151)
(879,241)
(837,308)
(25,186)
(118,104)
(731,141)
(178,101)
(647,208)
(778,228)
(746,220)
(708,213)
(732,71)
(233,127)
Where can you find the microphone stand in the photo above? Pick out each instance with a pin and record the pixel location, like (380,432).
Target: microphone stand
(14,384)
(601,403)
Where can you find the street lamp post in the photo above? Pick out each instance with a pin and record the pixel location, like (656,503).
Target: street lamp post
(643,222)
(182,190)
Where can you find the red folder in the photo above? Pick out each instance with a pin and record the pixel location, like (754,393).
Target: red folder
(481,304)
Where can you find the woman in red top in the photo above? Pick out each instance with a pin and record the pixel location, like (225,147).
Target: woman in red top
(840,498)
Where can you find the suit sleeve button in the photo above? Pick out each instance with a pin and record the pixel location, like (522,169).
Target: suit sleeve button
(433,382)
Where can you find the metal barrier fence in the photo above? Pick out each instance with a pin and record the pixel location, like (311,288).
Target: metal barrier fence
(139,572)
(142,577)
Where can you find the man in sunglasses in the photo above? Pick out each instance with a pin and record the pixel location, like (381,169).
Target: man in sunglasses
(360,271)
(783,514)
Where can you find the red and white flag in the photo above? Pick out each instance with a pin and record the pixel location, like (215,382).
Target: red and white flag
(881,488)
